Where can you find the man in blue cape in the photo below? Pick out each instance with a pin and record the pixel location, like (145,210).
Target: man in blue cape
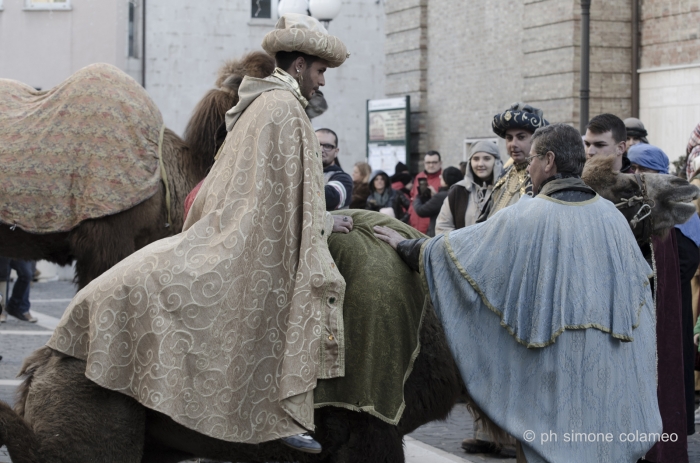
(549,314)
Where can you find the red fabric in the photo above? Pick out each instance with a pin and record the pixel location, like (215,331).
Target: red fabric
(190,198)
(671,390)
(422,223)
(397,186)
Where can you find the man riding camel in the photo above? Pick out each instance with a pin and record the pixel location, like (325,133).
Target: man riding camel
(571,371)
(227,327)
(516,125)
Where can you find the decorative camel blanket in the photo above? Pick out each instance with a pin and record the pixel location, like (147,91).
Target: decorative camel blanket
(383,313)
(82,150)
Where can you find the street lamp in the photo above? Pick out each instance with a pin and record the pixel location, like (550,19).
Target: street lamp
(293,6)
(325,10)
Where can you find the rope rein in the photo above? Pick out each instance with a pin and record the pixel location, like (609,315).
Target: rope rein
(656,292)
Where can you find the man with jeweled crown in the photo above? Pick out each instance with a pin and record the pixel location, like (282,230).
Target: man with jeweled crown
(516,125)
(227,326)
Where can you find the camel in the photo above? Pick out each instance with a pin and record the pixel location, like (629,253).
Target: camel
(667,201)
(62,416)
(97,244)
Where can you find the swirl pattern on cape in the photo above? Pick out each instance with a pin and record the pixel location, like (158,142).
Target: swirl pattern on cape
(227,326)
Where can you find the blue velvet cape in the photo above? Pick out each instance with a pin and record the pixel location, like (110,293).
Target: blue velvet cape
(549,314)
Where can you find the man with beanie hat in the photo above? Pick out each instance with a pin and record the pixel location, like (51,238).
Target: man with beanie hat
(429,207)
(466,201)
(636,133)
(516,125)
(264,326)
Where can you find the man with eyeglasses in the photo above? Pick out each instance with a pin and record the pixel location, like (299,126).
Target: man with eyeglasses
(338,188)
(516,125)
(426,184)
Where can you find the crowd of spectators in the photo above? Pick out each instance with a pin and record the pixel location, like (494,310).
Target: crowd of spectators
(440,199)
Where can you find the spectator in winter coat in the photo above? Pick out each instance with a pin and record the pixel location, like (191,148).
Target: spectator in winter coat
(402,182)
(433,169)
(429,206)
(338,184)
(360,185)
(465,202)
(382,196)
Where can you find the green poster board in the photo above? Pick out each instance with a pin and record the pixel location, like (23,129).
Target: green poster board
(388,133)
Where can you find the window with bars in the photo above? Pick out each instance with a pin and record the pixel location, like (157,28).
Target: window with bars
(261,9)
(47,4)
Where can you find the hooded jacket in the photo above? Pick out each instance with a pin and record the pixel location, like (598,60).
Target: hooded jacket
(375,201)
(468,200)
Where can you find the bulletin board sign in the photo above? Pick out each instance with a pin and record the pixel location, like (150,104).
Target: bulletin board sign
(388,133)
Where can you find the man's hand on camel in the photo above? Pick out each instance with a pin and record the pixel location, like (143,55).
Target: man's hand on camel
(388,235)
(342,224)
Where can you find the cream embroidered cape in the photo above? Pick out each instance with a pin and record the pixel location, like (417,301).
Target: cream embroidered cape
(227,326)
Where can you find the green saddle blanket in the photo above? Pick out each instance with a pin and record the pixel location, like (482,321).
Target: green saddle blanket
(383,313)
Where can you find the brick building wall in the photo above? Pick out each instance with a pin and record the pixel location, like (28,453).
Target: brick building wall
(670,32)
(467,61)
(406,66)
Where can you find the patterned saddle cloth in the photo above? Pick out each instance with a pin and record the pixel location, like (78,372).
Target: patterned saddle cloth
(85,149)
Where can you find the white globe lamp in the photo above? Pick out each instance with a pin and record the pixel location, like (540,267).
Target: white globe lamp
(292,6)
(325,10)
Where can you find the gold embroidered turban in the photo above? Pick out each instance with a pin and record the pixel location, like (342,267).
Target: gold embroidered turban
(298,32)
(520,116)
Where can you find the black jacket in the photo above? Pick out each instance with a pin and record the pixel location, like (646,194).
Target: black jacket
(430,207)
(338,188)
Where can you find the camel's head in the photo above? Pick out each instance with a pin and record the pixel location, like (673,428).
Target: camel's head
(669,197)
(255,64)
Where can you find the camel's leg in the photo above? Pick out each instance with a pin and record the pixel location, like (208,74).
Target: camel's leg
(97,246)
(370,441)
(77,421)
(100,244)
(519,454)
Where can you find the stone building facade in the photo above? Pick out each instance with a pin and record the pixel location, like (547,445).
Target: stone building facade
(43,42)
(187,42)
(462,62)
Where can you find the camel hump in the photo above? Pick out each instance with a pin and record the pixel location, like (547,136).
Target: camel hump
(85,149)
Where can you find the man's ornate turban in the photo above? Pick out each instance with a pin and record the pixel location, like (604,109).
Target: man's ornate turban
(298,32)
(518,116)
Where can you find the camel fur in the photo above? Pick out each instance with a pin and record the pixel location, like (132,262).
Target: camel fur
(61,416)
(672,196)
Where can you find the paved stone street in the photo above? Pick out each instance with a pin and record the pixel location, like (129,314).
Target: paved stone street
(436,442)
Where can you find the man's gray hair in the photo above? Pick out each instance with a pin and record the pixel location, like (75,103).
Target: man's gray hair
(566,144)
